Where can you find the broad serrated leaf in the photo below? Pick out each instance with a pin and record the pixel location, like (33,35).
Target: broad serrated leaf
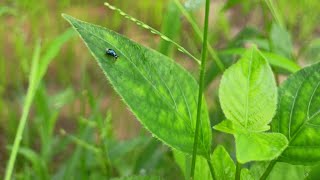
(298,116)
(160,93)
(248,93)
(223,165)
(248,98)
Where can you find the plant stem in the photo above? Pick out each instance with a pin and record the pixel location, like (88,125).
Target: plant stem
(201,86)
(268,170)
(33,83)
(275,13)
(211,168)
(238,171)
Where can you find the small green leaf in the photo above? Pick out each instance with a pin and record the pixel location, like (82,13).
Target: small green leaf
(259,146)
(184,161)
(280,41)
(225,126)
(248,93)
(246,175)
(298,116)
(160,93)
(223,165)
(248,99)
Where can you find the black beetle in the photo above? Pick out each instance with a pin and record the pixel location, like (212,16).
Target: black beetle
(112,53)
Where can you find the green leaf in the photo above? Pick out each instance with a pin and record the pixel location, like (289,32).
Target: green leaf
(246,175)
(138,178)
(38,164)
(259,146)
(292,172)
(280,41)
(249,35)
(314,173)
(248,93)
(262,146)
(248,99)
(298,116)
(160,93)
(171,26)
(312,51)
(274,59)
(184,161)
(52,51)
(223,165)
(281,62)
(225,126)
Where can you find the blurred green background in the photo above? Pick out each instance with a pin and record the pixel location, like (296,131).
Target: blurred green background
(78,128)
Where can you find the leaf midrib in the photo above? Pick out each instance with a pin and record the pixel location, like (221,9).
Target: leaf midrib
(248,89)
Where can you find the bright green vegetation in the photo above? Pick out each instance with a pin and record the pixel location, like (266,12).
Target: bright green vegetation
(193,94)
(164,98)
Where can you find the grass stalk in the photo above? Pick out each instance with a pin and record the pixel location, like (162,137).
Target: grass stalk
(197,30)
(33,83)
(201,87)
(275,13)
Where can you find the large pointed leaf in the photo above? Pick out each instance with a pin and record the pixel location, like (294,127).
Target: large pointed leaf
(248,92)
(298,116)
(161,94)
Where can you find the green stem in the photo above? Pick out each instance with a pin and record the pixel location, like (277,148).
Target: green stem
(268,170)
(33,83)
(201,87)
(238,171)
(211,168)
(275,13)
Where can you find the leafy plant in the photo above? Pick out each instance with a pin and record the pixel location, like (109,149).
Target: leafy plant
(264,127)
(162,95)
